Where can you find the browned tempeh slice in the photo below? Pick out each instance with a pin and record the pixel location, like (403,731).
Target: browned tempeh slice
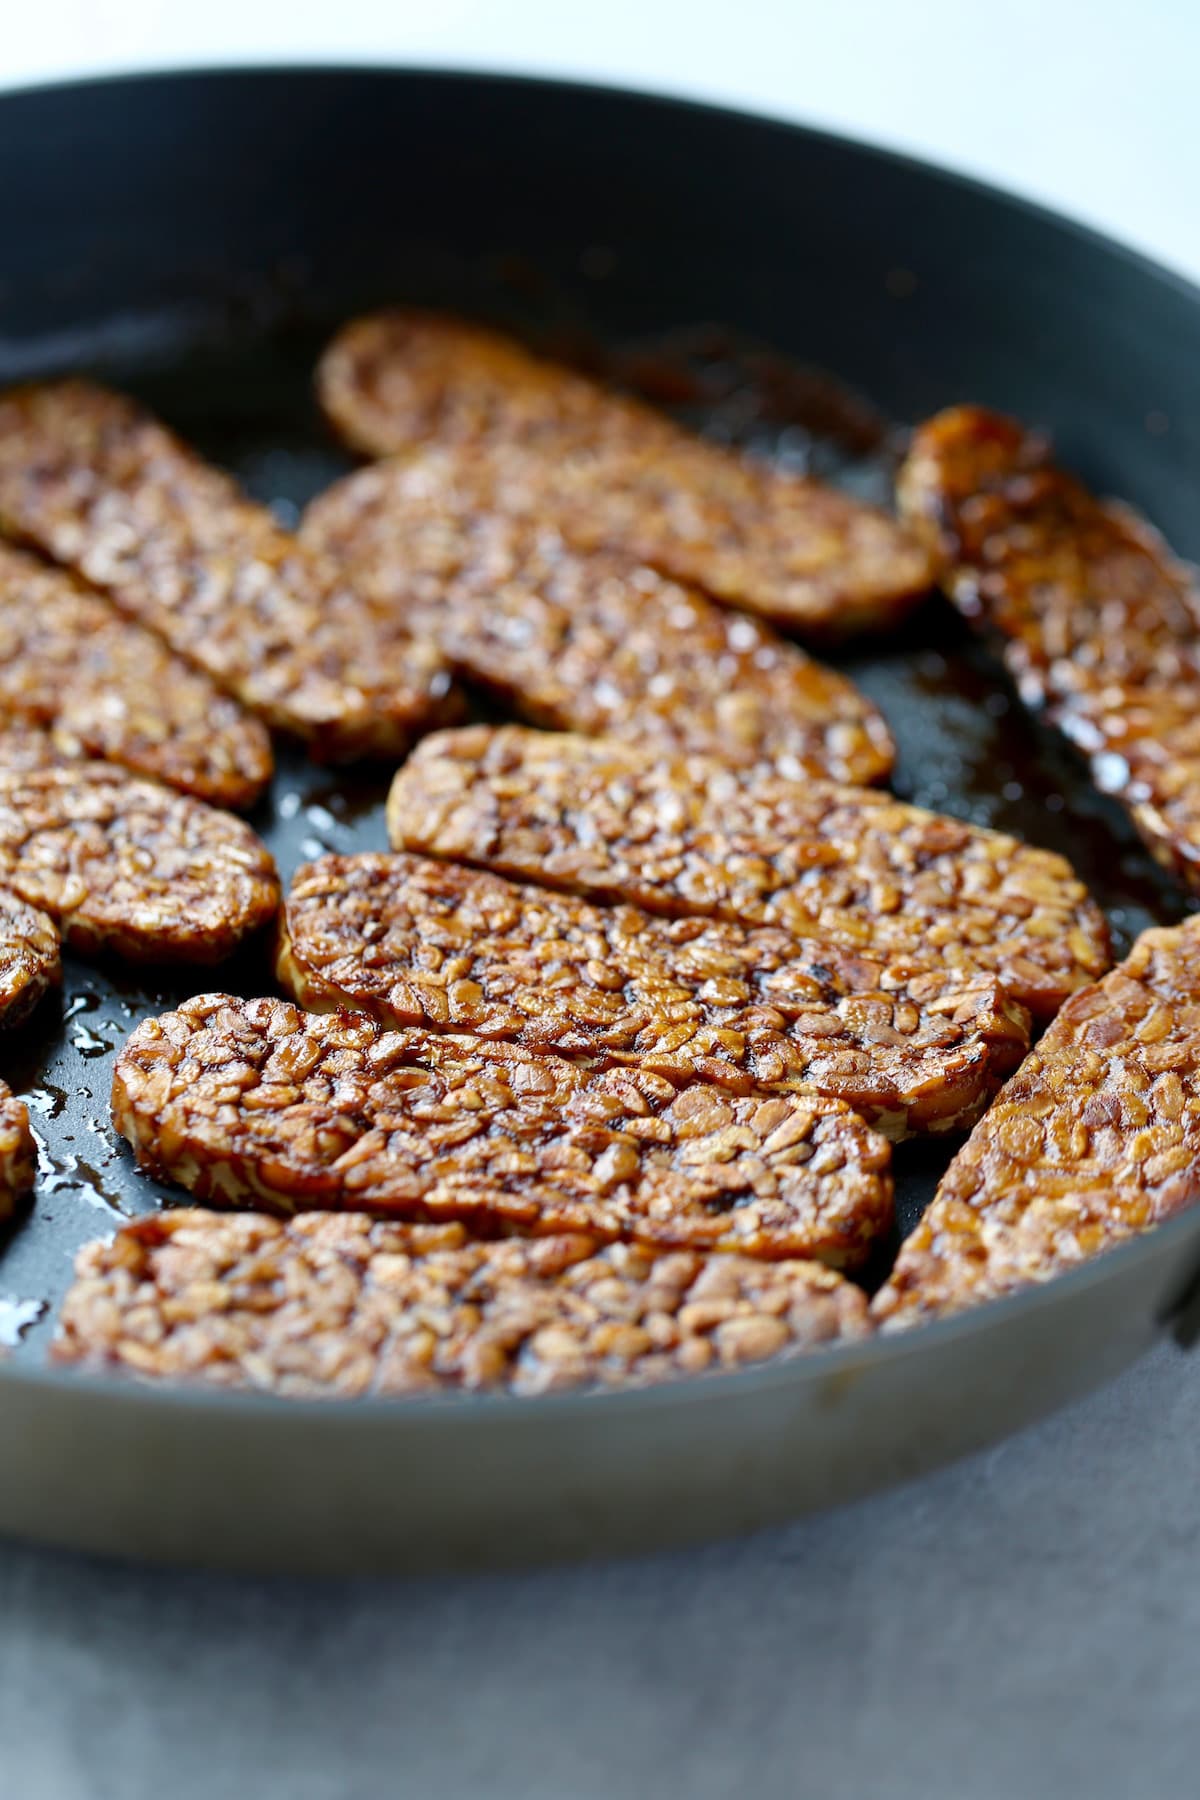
(30,959)
(1099,624)
(27,747)
(125,865)
(689,836)
(257,1102)
(587,641)
(337,1305)
(402,377)
(107,687)
(18,1152)
(1096,1137)
(606,471)
(90,479)
(413,941)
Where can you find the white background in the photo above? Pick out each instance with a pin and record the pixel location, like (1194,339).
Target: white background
(1090,105)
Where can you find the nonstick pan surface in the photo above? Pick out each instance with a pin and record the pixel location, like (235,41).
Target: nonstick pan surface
(196,238)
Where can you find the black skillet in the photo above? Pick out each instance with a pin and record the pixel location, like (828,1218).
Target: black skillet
(195,237)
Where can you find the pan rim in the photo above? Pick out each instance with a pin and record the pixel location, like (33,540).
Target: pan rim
(812,1367)
(659,98)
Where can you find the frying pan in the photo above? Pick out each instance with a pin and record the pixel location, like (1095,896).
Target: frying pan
(195,237)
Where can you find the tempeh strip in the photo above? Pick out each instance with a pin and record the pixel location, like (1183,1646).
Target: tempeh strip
(688,836)
(335,1306)
(126,866)
(1099,625)
(1095,1138)
(587,641)
(255,1102)
(607,471)
(30,958)
(403,377)
(95,483)
(18,1152)
(24,748)
(107,687)
(418,942)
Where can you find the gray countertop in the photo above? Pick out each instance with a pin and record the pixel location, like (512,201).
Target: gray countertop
(1027,1623)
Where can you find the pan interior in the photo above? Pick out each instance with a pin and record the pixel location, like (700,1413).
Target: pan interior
(241,391)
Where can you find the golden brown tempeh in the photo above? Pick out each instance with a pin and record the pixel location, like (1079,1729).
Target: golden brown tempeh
(1096,1137)
(333,1306)
(413,941)
(18,1152)
(608,472)
(403,377)
(104,686)
(688,836)
(127,866)
(97,484)
(255,1102)
(587,641)
(30,958)
(1098,623)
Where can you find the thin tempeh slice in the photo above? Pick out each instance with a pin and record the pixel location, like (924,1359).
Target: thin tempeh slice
(417,942)
(403,377)
(587,641)
(689,836)
(259,1103)
(29,747)
(30,958)
(107,687)
(90,479)
(339,1305)
(126,866)
(1099,625)
(1095,1138)
(18,1152)
(606,471)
